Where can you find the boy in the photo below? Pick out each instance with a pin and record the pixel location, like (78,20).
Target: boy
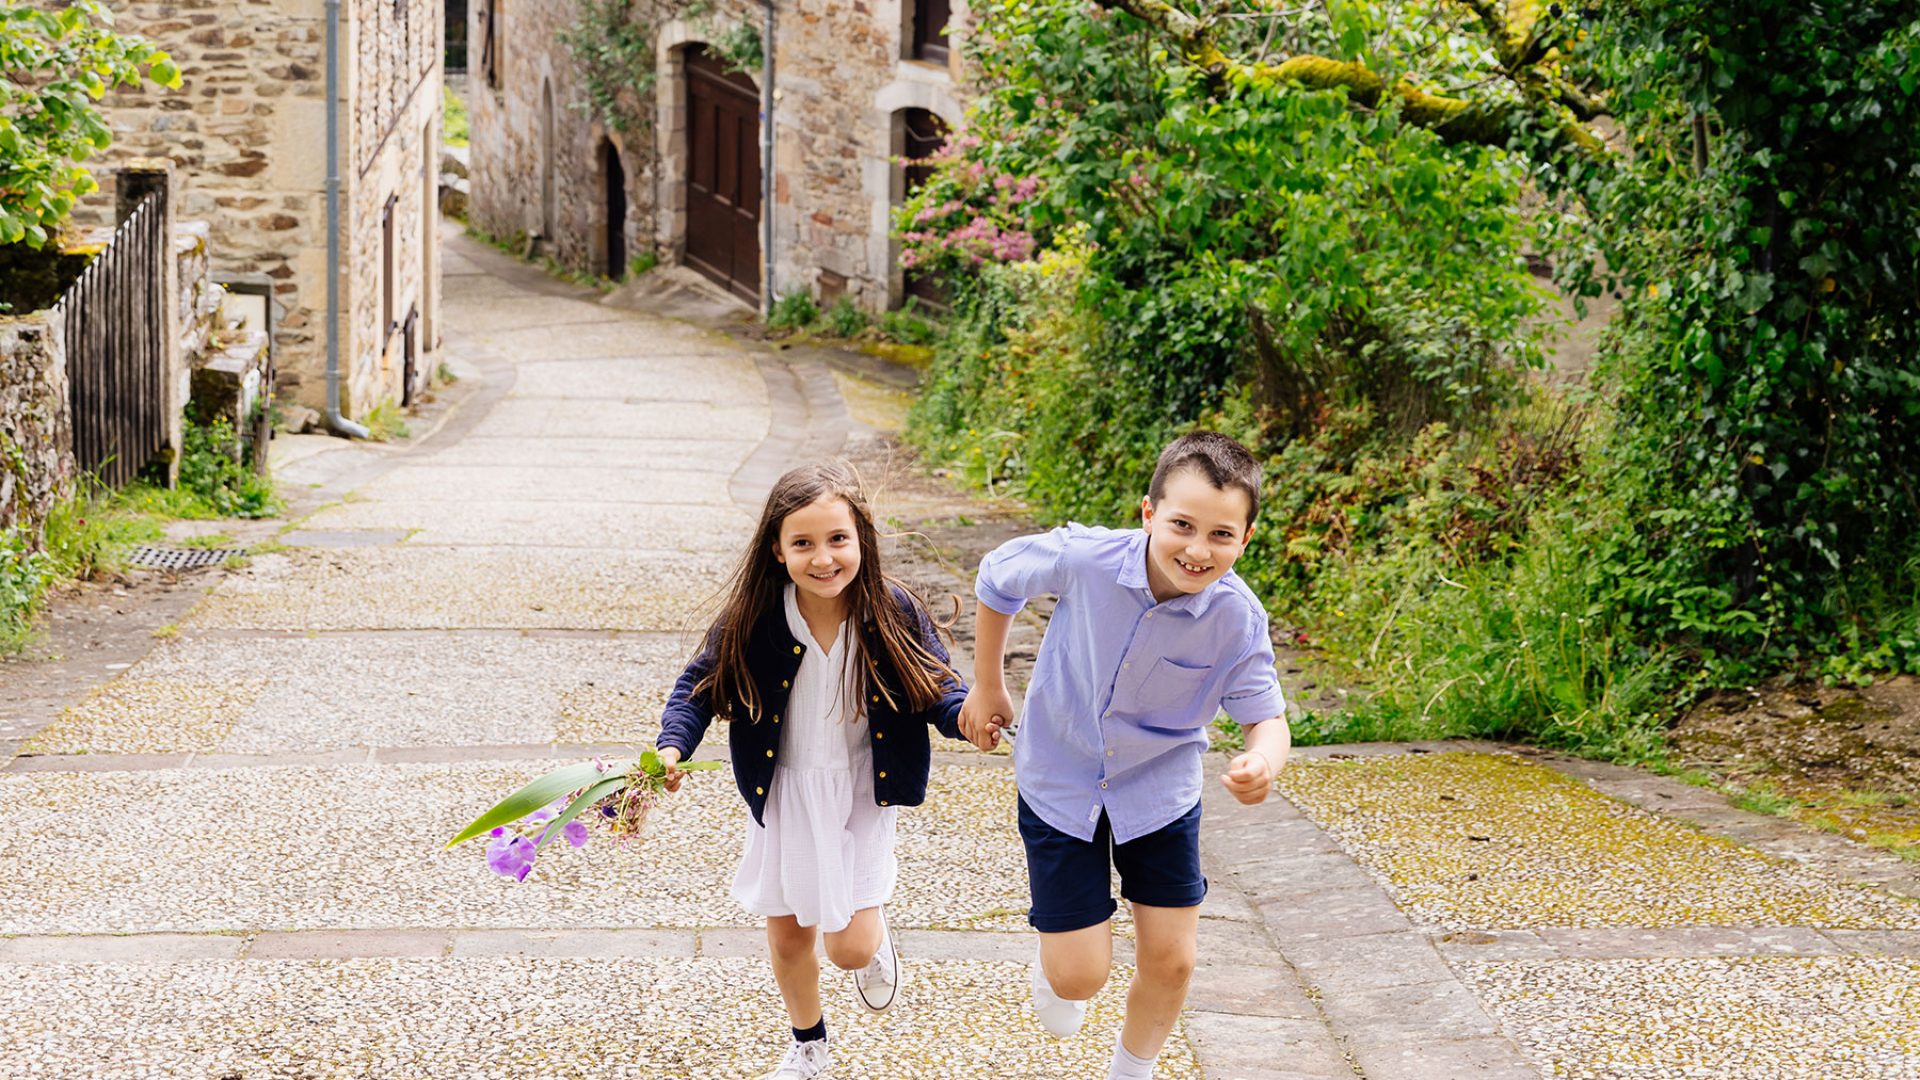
(1153,634)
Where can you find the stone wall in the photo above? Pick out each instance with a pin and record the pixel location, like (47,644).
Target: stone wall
(246,131)
(36,434)
(395,164)
(527,120)
(841,80)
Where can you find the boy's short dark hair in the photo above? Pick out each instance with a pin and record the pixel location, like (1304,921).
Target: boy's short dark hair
(1225,463)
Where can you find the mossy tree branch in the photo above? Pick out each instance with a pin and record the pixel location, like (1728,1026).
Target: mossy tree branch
(1521,43)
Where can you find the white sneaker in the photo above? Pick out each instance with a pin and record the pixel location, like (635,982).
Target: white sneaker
(804,1061)
(1061,1018)
(879,982)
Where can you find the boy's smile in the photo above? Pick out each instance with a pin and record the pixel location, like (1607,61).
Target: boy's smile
(819,548)
(1194,535)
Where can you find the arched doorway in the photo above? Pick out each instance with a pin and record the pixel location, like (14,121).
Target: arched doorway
(616,196)
(921,135)
(723,174)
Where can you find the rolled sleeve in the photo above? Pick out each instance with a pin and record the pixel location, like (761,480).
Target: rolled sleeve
(1021,569)
(1252,692)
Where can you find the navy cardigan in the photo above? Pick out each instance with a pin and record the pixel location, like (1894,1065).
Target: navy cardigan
(902,751)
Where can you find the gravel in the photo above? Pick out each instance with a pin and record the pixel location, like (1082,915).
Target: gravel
(529,1019)
(359,846)
(1471,841)
(1840,1018)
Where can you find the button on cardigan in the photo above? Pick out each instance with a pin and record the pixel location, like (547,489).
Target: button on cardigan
(902,750)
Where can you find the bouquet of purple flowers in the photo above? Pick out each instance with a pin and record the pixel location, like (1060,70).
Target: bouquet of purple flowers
(613,796)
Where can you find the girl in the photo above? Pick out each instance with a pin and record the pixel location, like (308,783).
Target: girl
(830,673)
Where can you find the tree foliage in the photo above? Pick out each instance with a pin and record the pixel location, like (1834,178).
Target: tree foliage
(1313,225)
(55,66)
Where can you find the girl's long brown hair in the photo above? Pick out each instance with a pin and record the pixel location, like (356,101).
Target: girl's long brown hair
(884,631)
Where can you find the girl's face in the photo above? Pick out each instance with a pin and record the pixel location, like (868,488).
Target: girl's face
(819,548)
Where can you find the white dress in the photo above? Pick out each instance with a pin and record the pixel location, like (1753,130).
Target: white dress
(826,850)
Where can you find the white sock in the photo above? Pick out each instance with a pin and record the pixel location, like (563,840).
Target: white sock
(1126,1066)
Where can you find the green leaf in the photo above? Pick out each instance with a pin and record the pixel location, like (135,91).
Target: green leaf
(536,795)
(586,798)
(650,762)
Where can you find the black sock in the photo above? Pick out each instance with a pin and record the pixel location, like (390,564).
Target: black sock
(813,1034)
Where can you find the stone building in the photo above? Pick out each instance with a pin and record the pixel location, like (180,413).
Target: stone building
(246,131)
(856,87)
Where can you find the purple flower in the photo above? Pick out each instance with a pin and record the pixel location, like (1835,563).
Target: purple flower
(576,833)
(511,857)
(497,830)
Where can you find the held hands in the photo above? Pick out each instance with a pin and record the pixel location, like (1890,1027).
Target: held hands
(670,757)
(1249,777)
(986,712)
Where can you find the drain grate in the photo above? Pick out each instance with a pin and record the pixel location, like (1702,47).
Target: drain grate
(182,558)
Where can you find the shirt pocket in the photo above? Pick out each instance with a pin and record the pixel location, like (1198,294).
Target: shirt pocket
(1169,693)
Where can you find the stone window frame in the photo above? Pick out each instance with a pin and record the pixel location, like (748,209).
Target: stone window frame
(921,40)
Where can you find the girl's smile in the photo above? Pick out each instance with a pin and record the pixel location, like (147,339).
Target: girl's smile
(820,549)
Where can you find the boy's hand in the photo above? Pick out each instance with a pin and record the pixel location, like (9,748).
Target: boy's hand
(986,711)
(670,757)
(1249,776)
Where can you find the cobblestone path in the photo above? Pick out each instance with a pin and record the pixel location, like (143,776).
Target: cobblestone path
(225,863)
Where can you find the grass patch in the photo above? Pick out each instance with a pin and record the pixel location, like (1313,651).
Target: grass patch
(385,423)
(1761,799)
(210,540)
(454,127)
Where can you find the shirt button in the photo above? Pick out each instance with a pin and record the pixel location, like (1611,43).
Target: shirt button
(1127,664)
(1103,785)
(1149,614)
(769,753)
(879,734)
(876,698)
(883,802)
(883,774)
(796,650)
(776,718)
(1109,753)
(784,684)
(759,791)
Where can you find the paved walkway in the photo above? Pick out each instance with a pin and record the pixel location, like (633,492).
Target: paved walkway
(225,862)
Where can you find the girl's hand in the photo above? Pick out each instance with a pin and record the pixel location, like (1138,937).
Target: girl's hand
(670,757)
(986,711)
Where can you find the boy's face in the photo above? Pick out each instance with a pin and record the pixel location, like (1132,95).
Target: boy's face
(1194,535)
(819,548)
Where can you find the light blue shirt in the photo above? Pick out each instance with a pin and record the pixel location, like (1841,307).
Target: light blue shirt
(1123,690)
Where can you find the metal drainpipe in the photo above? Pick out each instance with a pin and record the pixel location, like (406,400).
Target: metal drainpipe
(766,158)
(334,420)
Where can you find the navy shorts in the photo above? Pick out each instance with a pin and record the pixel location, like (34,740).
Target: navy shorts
(1070,878)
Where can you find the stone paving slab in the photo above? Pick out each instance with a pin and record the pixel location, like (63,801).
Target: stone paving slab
(485,1018)
(438,588)
(500,317)
(280,695)
(595,368)
(592,420)
(358,847)
(1781,1018)
(481,520)
(1475,841)
(617,333)
(710,458)
(534,485)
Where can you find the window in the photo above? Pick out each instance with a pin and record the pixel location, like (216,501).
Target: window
(920,135)
(927,37)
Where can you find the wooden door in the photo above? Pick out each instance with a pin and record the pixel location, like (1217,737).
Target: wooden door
(723,175)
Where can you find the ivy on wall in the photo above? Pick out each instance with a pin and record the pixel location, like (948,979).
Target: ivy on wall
(612,44)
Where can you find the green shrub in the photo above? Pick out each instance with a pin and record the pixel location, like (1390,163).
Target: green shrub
(794,311)
(215,469)
(843,319)
(904,325)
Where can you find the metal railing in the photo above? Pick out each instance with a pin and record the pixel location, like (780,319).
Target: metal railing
(115,322)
